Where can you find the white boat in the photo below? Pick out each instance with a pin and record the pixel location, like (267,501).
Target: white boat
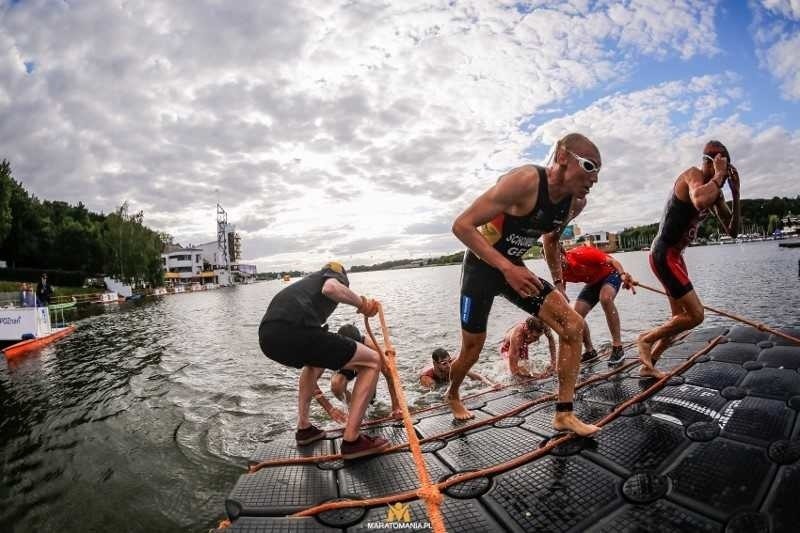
(28,328)
(109,297)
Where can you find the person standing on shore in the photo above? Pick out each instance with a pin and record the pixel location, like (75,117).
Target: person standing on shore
(603,276)
(292,334)
(26,297)
(498,228)
(44,291)
(695,193)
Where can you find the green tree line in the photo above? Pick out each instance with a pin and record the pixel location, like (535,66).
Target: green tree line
(758,215)
(54,235)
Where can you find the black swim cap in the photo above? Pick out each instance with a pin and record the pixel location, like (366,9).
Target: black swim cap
(351,332)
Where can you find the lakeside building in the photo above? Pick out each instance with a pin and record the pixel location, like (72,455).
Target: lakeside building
(208,262)
(604,240)
(570,235)
(184,265)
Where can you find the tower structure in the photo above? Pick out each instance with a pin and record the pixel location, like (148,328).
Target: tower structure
(222,243)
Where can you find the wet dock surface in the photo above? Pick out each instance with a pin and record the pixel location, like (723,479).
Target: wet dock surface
(716,447)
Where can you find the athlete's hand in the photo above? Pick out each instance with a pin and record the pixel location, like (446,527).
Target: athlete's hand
(721,166)
(628,282)
(338,415)
(368,307)
(523,281)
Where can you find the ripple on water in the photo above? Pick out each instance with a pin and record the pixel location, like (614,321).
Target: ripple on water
(147,413)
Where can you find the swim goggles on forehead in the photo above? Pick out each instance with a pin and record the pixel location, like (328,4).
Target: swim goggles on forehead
(586,164)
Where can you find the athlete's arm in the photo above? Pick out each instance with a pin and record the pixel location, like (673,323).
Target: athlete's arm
(514,345)
(478,377)
(427,382)
(390,383)
(550,246)
(627,279)
(340,293)
(729,218)
(334,412)
(552,256)
(505,194)
(704,195)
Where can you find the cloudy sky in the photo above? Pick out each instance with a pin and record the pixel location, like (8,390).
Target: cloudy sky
(359,130)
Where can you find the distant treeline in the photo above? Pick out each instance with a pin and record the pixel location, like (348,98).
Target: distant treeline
(279,275)
(411,263)
(54,235)
(760,216)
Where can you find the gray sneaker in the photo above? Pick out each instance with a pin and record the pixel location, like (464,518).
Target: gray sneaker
(617,355)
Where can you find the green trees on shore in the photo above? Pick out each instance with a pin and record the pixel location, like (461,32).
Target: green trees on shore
(759,216)
(54,235)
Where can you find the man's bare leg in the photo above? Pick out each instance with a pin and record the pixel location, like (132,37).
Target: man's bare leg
(305,392)
(583,309)
(568,325)
(607,295)
(661,344)
(367,363)
(690,315)
(471,346)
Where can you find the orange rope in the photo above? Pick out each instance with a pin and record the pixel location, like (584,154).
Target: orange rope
(513,463)
(757,325)
(428,492)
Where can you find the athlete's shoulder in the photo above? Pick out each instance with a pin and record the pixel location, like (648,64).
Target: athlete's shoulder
(523,175)
(689,179)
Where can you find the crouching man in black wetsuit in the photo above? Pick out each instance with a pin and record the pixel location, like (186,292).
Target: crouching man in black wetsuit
(498,228)
(292,334)
(695,193)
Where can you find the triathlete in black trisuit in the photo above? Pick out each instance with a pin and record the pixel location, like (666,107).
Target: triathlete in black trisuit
(695,194)
(498,228)
(512,236)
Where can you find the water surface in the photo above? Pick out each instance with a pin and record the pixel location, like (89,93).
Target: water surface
(142,419)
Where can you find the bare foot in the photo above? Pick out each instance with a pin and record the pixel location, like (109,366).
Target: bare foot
(569,422)
(648,369)
(645,372)
(459,411)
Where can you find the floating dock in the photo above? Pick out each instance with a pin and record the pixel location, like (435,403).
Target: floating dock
(715,446)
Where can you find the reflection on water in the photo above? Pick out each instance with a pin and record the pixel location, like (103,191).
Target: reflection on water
(143,418)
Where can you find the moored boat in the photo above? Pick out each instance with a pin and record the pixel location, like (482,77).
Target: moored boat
(27,329)
(63,305)
(109,297)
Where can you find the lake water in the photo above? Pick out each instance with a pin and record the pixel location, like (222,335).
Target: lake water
(143,419)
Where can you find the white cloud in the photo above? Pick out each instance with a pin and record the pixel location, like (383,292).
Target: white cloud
(306,117)
(783,60)
(645,143)
(786,8)
(777,36)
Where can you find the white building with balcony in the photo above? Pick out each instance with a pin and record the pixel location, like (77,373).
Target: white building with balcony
(182,264)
